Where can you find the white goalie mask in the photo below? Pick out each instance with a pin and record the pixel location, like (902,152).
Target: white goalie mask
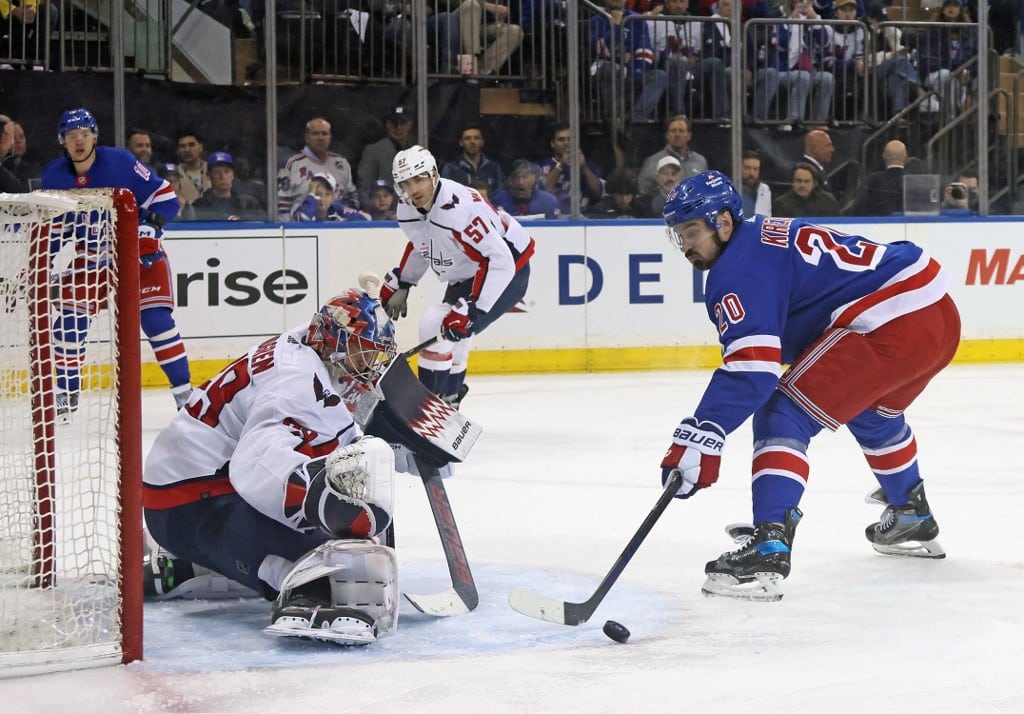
(411,162)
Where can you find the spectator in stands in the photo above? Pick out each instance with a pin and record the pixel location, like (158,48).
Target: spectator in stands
(322,203)
(805,198)
(942,54)
(191,166)
(383,202)
(960,197)
(757,195)
(27,27)
(556,173)
(375,163)
(15,161)
(315,158)
(220,202)
(473,165)
(789,56)
(483,188)
(622,200)
(141,145)
(169,172)
(716,58)
(481,21)
(644,85)
(669,174)
(523,197)
(442,30)
(677,50)
(9,183)
(894,69)
(847,59)
(818,153)
(677,137)
(882,192)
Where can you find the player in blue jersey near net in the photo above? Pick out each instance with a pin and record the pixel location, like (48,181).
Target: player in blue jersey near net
(86,165)
(863,326)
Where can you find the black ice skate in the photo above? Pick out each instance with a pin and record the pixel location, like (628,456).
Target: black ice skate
(165,577)
(66,404)
(908,530)
(306,612)
(456,399)
(755,570)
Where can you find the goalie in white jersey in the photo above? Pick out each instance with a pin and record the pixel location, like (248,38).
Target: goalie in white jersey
(265,479)
(482,253)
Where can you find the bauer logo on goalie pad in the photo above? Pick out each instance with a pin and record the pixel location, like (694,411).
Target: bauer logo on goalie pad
(411,415)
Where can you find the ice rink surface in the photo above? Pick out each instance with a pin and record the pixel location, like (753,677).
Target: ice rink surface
(566,469)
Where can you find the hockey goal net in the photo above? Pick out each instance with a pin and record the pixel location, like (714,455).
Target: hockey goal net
(70,516)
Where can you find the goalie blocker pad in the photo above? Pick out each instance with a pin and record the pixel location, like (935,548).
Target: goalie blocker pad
(411,415)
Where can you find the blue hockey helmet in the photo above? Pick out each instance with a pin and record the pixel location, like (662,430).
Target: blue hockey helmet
(80,118)
(705,196)
(352,333)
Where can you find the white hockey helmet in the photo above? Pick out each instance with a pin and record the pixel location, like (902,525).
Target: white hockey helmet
(414,161)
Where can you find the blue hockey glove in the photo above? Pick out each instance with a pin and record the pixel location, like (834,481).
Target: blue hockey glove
(148,259)
(458,323)
(696,452)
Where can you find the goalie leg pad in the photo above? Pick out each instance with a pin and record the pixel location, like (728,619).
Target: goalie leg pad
(344,591)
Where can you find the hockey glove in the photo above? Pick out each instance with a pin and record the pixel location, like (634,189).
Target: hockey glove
(393,296)
(149,242)
(458,323)
(351,491)
(696,452)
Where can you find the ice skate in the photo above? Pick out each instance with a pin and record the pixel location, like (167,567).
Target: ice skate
(456,399)
(165,577)
(755,570)
(67,404)
(307,613)
(908,530)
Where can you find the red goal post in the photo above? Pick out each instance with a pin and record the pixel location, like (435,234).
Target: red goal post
(70,487)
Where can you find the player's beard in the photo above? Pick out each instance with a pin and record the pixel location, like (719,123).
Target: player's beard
(703,265)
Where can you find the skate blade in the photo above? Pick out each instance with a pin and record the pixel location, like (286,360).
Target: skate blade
(765,587)
(347,632)
(912,549)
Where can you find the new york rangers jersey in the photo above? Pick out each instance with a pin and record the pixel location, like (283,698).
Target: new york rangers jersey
(462,237)
(248,429)
(781,283)
(293,180)
(116,168)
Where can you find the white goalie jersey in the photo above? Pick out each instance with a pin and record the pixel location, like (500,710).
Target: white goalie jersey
(248,429)
(462,237)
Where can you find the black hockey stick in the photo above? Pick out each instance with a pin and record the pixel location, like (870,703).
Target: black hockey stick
(419,348)
(531,603)
(462,596)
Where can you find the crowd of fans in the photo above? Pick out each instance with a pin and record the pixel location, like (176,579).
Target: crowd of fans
(804,68)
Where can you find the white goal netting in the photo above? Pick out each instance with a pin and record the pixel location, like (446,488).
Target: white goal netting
(62,468)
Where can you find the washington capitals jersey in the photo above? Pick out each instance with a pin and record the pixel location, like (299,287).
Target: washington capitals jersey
(781,283)
(116,168)
(462,237)
(249,428)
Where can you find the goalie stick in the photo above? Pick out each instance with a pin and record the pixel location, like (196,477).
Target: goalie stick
(462,596)
(533,604)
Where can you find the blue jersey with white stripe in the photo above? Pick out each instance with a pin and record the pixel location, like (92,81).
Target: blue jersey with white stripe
(781,283)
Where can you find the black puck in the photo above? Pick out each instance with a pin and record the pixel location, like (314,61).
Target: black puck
(616,631)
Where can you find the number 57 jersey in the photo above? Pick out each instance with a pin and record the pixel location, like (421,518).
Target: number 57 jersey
(462,237)
(781,283)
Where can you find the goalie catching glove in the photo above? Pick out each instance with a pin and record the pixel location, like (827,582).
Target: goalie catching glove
(458,323)
(394,295)
(696,452)
(350,492)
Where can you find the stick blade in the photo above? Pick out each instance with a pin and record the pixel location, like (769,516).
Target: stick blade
(532,604)
(446,604)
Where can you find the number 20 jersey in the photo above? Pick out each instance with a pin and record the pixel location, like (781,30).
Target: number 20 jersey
(462,237)
(781,283)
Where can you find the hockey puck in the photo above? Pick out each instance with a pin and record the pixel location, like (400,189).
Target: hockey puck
(616,631)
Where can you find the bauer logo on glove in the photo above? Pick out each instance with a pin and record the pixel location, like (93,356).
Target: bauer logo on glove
(696,452)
